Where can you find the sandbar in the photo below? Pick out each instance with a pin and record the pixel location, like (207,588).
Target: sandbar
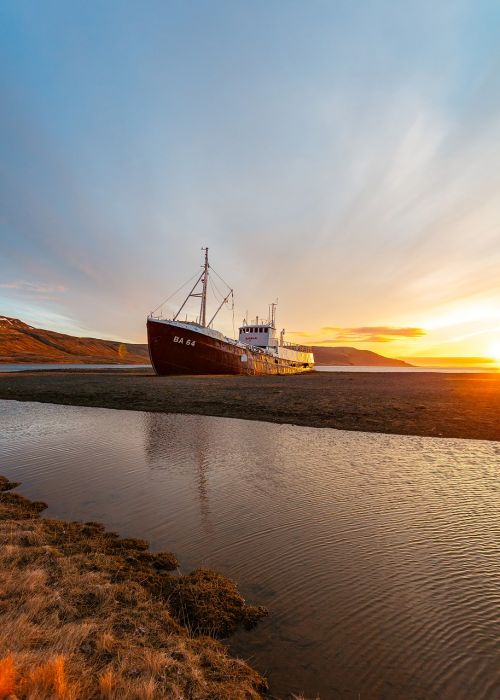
(428,404)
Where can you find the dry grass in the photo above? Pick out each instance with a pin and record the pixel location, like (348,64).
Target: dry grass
(85,614)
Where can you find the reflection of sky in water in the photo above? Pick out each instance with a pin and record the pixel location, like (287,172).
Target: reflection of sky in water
(377,554)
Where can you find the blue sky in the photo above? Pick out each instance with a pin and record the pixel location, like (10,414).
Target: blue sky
(340,156)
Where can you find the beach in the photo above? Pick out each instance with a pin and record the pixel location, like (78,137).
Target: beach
(427,404)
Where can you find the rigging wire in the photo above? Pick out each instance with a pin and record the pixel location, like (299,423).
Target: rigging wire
(216,291)
(232,298)
(223,299)
(176,292)
(212,288)
(232,307)
(221,279)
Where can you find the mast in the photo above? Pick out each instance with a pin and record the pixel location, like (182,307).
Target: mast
(203,310)
(203,278)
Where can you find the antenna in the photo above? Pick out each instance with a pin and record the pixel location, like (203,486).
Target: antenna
(273,312)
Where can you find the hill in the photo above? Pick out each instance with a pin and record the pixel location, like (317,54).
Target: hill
(352,356)
(20,343)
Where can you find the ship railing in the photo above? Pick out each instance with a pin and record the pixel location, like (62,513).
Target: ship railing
(257,322)
(296,346)
(158,317)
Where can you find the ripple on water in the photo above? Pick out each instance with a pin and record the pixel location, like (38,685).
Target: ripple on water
(378,555)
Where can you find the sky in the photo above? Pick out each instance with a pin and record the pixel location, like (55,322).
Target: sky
(342,157)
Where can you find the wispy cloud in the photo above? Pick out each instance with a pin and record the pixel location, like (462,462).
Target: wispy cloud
(356,181)
(34,289)
(408,332)
(362,334)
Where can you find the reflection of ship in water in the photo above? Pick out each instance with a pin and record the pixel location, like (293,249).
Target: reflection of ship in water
(208,460)
(195,347)
(182,450)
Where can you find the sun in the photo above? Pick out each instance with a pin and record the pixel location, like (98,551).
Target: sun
(493,350)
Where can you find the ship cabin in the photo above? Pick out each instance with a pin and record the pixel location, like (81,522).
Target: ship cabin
(260,335)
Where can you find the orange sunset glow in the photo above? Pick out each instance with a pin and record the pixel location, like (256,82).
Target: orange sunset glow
(362,192)
(462,335)
(249,349)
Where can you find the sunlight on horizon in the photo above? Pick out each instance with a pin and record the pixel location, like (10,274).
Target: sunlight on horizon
(466,331)
(353,180)
(494,351)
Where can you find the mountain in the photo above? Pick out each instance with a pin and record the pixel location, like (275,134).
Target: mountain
(354,357)
(20,342)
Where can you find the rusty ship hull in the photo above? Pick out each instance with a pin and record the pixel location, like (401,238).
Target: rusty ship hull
(184,348)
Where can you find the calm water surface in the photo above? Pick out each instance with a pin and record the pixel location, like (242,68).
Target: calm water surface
(49,367)
(408,370)
(378,555)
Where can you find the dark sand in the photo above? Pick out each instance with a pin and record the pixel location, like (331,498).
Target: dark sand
(430,404)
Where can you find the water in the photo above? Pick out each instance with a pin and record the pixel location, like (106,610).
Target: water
(408,370)
(49,367)
(378,555)
(319,368)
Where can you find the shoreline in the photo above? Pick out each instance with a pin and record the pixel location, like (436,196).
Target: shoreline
(85,612)
(424,404)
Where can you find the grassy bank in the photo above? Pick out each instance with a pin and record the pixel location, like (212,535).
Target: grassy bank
(86,614)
